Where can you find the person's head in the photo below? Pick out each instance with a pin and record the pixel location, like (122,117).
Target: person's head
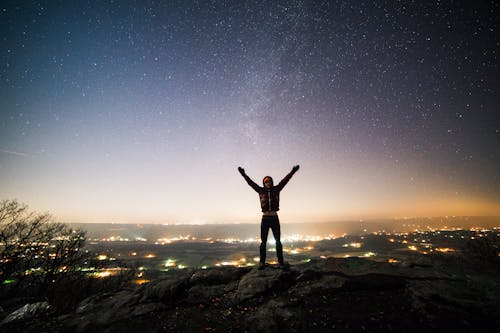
(267,181)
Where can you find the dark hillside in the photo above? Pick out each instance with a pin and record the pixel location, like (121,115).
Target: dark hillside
(346,295)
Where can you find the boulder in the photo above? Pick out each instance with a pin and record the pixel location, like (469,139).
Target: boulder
(200,294)
(108,302)
(215,276)
(28,312)
(262,282)
(269,317)
(167,290)
(103,310)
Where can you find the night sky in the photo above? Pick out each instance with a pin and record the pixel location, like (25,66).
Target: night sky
(141,111)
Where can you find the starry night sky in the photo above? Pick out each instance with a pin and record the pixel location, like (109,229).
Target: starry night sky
(141,111)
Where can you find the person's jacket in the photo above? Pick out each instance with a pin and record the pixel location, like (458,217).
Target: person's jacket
(269,197)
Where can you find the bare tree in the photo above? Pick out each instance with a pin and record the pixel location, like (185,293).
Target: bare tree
(32,245)
(63,254)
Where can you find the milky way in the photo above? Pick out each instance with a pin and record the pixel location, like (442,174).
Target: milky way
(143,110)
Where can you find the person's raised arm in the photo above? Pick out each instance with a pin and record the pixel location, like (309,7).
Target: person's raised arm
(285,180)
(249,181)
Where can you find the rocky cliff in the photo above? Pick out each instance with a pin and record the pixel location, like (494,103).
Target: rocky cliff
(347,295)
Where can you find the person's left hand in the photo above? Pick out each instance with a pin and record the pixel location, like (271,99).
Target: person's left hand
(296,168)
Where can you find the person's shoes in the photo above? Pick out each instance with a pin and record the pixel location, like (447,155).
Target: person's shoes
(261,265)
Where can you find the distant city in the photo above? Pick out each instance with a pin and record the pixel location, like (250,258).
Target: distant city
(153,232)
(147,251)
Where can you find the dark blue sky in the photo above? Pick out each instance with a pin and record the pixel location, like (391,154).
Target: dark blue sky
(142,110)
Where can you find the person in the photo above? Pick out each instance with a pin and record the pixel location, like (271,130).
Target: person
(269,202)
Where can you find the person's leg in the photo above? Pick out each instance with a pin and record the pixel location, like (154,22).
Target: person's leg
(275,227)
(264,231)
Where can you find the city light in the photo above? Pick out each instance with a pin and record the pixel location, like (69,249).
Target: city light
(103,274)
(166,241)
(108,272)
(170,263)
(444,249)
(238,263)
(114,239)
(424,241)
(354,245)
(141,281)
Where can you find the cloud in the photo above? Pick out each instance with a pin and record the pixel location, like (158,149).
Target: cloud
(12,152)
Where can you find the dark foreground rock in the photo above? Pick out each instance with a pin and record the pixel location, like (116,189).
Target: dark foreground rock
(346,295)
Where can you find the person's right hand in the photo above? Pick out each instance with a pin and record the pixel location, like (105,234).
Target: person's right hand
(241,170)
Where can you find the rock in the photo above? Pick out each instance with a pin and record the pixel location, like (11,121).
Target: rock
(108,301)
(217,275)
(309,275)
(375,282)
(165,290)
(261,282)
(200,294)
(341,293)
(28,312)
(315,265)
(323,284)
(103,310)
(143,309)
(269,317)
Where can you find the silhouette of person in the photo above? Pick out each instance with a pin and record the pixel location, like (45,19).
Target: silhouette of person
(269,202)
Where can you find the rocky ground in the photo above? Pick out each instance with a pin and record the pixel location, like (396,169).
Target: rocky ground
(345,295)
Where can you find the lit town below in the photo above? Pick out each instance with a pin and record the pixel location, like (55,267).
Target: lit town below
(117,251)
